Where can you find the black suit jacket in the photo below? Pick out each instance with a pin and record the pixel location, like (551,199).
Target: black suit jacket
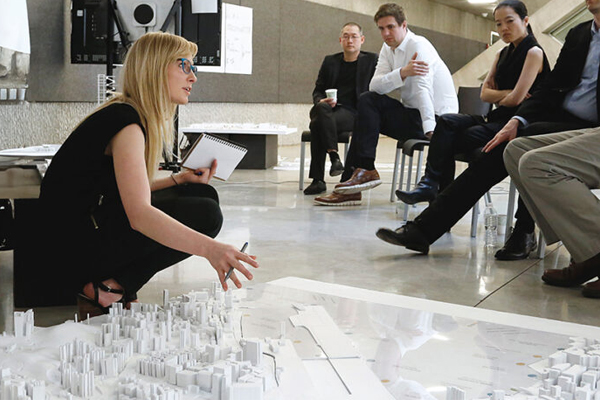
(330,69)
(566,75)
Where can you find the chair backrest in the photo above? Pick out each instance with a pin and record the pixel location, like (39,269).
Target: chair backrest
(469,101)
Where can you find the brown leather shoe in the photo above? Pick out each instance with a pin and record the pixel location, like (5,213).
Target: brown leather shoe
(592,289)
(338,199)
(360,180)
(575,274)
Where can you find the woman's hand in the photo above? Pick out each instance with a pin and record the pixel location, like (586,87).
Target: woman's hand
(506,134)
(223,256)
(508,102)
(200,175)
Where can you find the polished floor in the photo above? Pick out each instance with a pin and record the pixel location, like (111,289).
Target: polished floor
(292,237)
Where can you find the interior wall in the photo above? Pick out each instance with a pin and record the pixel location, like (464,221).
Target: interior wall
(542,22)
(290,39)
(37,123)
(427,14)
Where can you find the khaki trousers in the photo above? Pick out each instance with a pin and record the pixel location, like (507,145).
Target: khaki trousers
(554,174)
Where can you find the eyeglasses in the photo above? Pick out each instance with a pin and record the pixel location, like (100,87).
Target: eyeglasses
(187,66)
(350,37)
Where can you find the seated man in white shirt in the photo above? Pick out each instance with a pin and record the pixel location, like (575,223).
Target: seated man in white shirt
(410,65)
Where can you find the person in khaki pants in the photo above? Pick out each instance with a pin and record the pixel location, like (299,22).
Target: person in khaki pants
(555,174)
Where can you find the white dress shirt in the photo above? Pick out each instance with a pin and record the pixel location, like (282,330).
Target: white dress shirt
(432,94)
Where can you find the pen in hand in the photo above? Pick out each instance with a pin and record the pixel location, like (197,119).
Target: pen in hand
(243,249)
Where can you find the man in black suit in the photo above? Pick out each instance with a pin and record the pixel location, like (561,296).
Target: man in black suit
(350,73)
(566,101)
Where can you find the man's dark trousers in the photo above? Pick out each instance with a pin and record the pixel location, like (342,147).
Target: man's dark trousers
(377,114)
(326,124)
(456,134)
(481,175)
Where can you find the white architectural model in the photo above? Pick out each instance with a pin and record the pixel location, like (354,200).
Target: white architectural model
(194,347)
(570,374)
(187,349)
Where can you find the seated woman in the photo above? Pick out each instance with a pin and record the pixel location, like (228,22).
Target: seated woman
(517,71)
(112,223)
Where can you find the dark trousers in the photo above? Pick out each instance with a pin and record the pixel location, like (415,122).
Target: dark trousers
(379,114)
(481,175)
(326,124)
(132,258)
(456,134)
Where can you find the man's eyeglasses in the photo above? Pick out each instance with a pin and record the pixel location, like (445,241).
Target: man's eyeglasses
(350,37)
(187,66)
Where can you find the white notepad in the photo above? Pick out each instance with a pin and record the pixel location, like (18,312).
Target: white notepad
(208,148)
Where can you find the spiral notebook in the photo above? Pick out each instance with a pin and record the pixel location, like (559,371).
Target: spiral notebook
(208,148)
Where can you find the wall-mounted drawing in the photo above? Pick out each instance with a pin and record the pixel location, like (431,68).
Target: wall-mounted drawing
(14,49)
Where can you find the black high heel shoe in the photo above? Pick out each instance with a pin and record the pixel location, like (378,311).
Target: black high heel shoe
(91,307)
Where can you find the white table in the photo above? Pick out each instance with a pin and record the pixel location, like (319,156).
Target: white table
(21,173)
(259,139)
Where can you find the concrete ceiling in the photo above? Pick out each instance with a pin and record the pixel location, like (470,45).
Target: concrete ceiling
(486,9)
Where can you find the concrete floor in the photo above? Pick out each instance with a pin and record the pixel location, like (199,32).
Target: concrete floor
(292,237)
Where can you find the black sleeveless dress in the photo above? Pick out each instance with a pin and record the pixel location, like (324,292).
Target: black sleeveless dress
(508,70)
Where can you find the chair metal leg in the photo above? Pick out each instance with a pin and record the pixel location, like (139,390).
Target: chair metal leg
(487,197)
(474,219)
(418,175)
(510,209)
(419,164)
(408,179)
(345,152)
(302,159)
(395,175)
(541,251)
(402,165)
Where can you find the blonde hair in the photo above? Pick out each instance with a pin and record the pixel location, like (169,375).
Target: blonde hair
(146,88)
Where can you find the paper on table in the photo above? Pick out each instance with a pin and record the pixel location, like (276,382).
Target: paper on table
(43,151)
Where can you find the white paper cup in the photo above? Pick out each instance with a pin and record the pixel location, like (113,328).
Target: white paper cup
(21,94)
(331,94)
(12,94)
(3,94)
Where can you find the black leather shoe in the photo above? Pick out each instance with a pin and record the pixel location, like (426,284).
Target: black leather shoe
(408,236)
(315,187)
(426,190)
(336,168)
(518,246)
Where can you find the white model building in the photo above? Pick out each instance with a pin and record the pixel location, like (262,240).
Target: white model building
(23,323)
(14,387)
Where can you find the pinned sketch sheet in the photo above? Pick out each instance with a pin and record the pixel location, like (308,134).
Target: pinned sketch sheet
(238,39)
(14,26)
(208,148)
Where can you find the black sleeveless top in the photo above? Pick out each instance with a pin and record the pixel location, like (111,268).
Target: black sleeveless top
(508,70)
(80,171)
